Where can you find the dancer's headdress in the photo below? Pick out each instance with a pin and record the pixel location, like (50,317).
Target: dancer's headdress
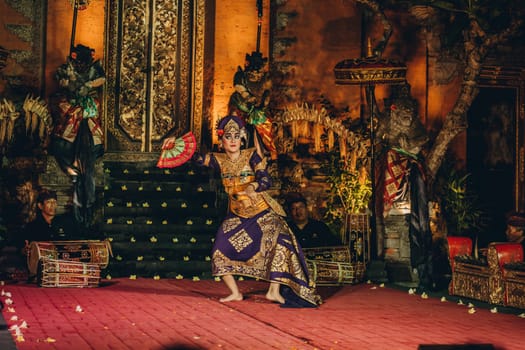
(231,124)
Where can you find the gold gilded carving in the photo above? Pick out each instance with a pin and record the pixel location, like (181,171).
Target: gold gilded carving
(166,56)
(198,69)
(155,58)
(133,64)
(497,293)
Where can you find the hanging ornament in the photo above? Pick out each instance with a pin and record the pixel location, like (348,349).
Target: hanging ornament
(79,4)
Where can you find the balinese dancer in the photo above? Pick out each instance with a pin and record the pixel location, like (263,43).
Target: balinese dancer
(78,136)
(254,239)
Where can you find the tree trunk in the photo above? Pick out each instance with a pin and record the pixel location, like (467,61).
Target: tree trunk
(476,44)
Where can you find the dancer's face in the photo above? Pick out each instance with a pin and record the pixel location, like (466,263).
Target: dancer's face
(231,142)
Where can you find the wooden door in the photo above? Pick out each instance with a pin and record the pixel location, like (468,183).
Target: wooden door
(154,65)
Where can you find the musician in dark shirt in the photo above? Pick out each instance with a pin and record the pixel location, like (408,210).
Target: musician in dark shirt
(516,228)
(47,226)
(309,232)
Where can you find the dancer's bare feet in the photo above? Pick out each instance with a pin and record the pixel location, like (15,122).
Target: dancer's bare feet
(231,297)
(275,297)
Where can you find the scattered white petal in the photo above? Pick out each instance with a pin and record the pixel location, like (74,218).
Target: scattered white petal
(14,318)
(11,309)
(23,325)
(470,305)
(424,296)
(374,287)
(368,282)
(471,310)
(49,340)
(522,315)
(411,291)
(382,285)
(78,308)
(443,299)
(460,302)
(13,327)
(9,301)
(494,310)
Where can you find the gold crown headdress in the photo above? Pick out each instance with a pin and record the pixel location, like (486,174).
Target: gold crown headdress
(231,124)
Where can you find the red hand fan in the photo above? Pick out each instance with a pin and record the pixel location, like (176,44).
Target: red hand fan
(176,153)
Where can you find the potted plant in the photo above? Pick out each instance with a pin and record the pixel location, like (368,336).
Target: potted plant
(462,211)
(349,195)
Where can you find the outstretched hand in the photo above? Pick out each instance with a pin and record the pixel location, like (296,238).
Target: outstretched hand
(169,143)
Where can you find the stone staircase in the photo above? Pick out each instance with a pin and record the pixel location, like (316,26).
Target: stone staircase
(161,223)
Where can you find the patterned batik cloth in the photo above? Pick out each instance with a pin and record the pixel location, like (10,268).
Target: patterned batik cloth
(262,247)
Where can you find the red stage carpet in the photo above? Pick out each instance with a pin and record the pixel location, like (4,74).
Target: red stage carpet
(185,314)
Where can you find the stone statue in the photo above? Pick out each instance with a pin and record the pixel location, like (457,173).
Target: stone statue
(401,127)
(251,98)
(402,177)
(78,135)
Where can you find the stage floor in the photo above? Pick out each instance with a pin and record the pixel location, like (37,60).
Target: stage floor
(186,314)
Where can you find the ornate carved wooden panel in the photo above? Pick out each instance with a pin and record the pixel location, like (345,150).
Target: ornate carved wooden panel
(154,71)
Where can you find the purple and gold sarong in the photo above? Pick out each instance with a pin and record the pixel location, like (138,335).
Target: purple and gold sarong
(262,247)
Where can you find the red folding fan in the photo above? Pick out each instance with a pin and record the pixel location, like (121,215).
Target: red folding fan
(176,153)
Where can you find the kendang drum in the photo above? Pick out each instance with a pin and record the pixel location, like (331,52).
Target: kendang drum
(88,251)
(64,273)
(331,273)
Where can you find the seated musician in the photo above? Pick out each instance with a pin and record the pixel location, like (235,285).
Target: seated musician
(309,232)
(516,228)
(47,226)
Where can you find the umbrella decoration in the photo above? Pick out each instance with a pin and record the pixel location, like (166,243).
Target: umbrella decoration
(177,152)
